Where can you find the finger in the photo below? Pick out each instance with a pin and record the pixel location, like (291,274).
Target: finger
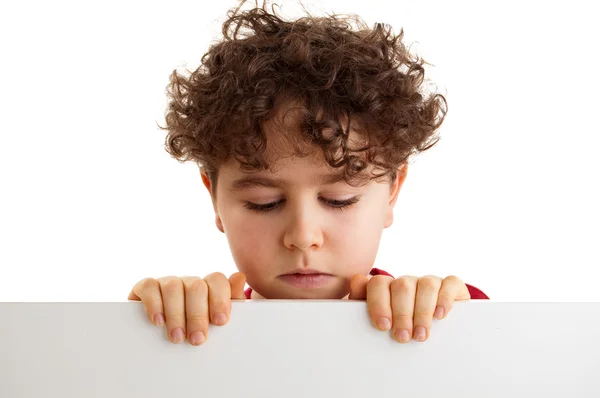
(148,291)
(428,288)
(358,287)
(453,289)
(403,291)
(196,309)
(237,281)
(171,289)
(219,298)
(378,302)
(133,296)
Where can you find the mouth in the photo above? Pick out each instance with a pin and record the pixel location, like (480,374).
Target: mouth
(306,271)
(307,279)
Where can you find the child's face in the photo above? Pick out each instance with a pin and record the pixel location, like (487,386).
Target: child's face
(301,229)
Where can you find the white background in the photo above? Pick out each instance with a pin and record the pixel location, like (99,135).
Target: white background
(91,203)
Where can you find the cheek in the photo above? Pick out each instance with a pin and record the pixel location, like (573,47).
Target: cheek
(354,241)
(250,241)
(362,227)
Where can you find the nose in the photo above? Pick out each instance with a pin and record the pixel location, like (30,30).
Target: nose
(303,228)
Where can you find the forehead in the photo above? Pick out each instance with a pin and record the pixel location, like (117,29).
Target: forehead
(290,173)
(289,153)
(245,182)
(312,169)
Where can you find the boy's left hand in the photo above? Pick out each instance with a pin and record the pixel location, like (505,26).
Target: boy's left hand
(407,304)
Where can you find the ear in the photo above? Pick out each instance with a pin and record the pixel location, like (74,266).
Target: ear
(394,191)
(208,184)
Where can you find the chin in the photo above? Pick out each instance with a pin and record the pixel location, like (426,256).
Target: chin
(310,294)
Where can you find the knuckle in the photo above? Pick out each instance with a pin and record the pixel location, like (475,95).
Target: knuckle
(216,275)
(153,304)
(378,277)
(453,279)
(238,275)
(379,280)
(378,310)
(429,283)
(445,297)
(402,283)
(219,305)
(172,285)
(423,314)
(147,283)
(176,319)
(402,321)
(402,317)
(148,292)
(197,285)
(164,279)
(197,322)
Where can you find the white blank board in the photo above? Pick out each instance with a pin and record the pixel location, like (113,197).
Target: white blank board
(297,348)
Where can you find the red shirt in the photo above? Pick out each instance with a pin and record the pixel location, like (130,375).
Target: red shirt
(476,294)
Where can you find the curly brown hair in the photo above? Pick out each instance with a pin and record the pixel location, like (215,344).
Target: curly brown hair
(365,77)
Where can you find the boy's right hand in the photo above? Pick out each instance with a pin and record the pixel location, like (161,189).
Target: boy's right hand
(189,303)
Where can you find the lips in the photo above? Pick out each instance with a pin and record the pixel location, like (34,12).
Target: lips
(306,271)
(307,279)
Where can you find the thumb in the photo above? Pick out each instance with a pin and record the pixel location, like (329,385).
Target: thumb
(237,282)
(358,287)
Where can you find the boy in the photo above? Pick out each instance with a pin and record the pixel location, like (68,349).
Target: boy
(302,131)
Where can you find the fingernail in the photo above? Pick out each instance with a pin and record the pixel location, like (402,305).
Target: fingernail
(219,319)
(177,335)
(197,338)
(420,333)
(439,312)
(402,335)
(384,324)
(159,319)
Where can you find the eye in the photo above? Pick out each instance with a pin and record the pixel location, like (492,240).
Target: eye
(334,204)
(262,208)
(341,204)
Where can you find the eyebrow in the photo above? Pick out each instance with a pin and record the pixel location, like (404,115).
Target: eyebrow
(249,182)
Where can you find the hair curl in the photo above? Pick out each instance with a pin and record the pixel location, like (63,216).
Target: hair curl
(363,76)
